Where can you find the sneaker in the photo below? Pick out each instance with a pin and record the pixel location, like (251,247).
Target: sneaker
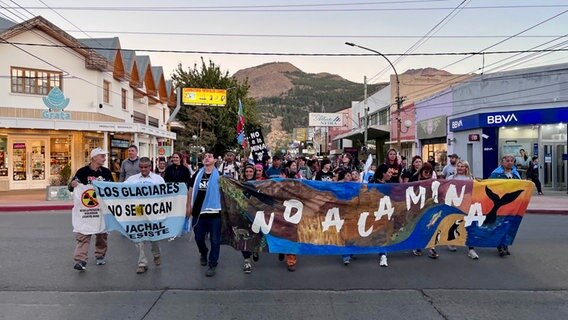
(472,254)
(383,262)
(81,266)
(255,257)
(280,257)
(417,252)
(452,248)
(506,248)
(346,261)
(433,254)
(203,260)
(210,272)
(292,268)
(247,268)
(157,261)
(141,269)
(101,261)
(501,251)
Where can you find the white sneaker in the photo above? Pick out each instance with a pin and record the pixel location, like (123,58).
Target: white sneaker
(452,248)
(383,261)
(472,254)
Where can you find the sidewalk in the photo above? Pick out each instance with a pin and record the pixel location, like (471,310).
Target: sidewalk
(552,202)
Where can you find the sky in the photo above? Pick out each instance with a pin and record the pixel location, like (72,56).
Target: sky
(321,27)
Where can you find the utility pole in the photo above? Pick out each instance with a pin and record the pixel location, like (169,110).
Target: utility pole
(365,122)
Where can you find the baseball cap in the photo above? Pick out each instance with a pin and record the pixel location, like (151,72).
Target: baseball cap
(95,152)
(453,155)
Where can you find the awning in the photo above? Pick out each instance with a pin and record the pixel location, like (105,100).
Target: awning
(374,132)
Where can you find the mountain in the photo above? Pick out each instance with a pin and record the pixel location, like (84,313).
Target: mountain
(284,92)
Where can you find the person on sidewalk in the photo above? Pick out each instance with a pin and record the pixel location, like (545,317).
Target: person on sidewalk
(450,168)
(506,170)
(85,175)
(532,174)
(146,176)
(204,204)
(130,166)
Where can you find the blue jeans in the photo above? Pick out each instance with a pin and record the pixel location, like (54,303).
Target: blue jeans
(202,226)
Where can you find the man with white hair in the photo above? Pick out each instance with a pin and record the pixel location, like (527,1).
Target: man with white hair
(85,175)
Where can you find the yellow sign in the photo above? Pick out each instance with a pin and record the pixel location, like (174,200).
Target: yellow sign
(204,97)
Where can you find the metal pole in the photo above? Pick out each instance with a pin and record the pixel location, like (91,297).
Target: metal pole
(366,121)
(398,99)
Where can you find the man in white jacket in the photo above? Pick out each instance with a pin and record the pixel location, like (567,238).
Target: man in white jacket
(146,176)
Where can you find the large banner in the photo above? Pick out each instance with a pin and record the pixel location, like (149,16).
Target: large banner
(315,217)
(143,212)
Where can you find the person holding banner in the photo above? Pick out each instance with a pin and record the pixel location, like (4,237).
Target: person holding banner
(382,176)
(204,204)
(146,176)
(85,175)
(506,170)
(391,161)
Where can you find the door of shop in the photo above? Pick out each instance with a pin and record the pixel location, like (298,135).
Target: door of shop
(28,165)
(554,167)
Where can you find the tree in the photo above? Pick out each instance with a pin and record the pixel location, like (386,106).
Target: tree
(215,126)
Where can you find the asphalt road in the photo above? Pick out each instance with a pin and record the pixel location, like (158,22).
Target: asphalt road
(37,280)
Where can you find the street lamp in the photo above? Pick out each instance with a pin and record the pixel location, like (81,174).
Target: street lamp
(398,99)
(194,149)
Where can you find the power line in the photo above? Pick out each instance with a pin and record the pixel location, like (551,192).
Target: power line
(274,10)
(257,35)
(289,53)
(425,38)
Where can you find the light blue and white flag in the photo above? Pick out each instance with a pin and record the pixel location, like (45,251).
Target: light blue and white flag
(143,212)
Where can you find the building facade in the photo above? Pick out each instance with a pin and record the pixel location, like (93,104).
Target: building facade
(62,99)
(502,113)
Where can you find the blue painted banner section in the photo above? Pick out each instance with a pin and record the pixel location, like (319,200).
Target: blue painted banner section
(149,230)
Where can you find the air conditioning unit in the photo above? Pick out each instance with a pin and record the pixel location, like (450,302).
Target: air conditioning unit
(143,100)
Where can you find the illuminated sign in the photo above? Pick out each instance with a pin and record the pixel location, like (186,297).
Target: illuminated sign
(204,97)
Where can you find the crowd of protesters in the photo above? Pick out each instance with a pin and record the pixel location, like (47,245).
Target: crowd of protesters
(204,205)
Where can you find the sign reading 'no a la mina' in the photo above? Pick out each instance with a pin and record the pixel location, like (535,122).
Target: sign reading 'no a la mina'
(325,120)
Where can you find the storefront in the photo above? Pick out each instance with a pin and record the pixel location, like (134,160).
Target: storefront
(431,134)
(486,137)
(31,158)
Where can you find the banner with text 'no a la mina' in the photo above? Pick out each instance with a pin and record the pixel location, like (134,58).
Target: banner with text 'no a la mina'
(143,212)
(315,217)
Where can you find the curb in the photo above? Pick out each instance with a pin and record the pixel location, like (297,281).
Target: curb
(545,211)
(55,207)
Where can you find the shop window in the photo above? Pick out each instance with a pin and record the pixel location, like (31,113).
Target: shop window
(124,99)
(90,144)
(33,81)
(3,157)
(60,154)
(106,92)
(438,151)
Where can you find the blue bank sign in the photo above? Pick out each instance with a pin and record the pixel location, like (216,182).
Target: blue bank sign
(56,102)
(509,118)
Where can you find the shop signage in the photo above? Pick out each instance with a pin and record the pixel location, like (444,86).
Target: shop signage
(325,120)
(56,103)
(120,143)
(510,118)
(473,137)
(431,128)
(164,151)
(204,97)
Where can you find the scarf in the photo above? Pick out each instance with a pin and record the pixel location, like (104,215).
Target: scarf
(212,201)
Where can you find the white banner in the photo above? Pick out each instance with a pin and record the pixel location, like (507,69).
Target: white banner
(326,120)
(86,216)
(143,212)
